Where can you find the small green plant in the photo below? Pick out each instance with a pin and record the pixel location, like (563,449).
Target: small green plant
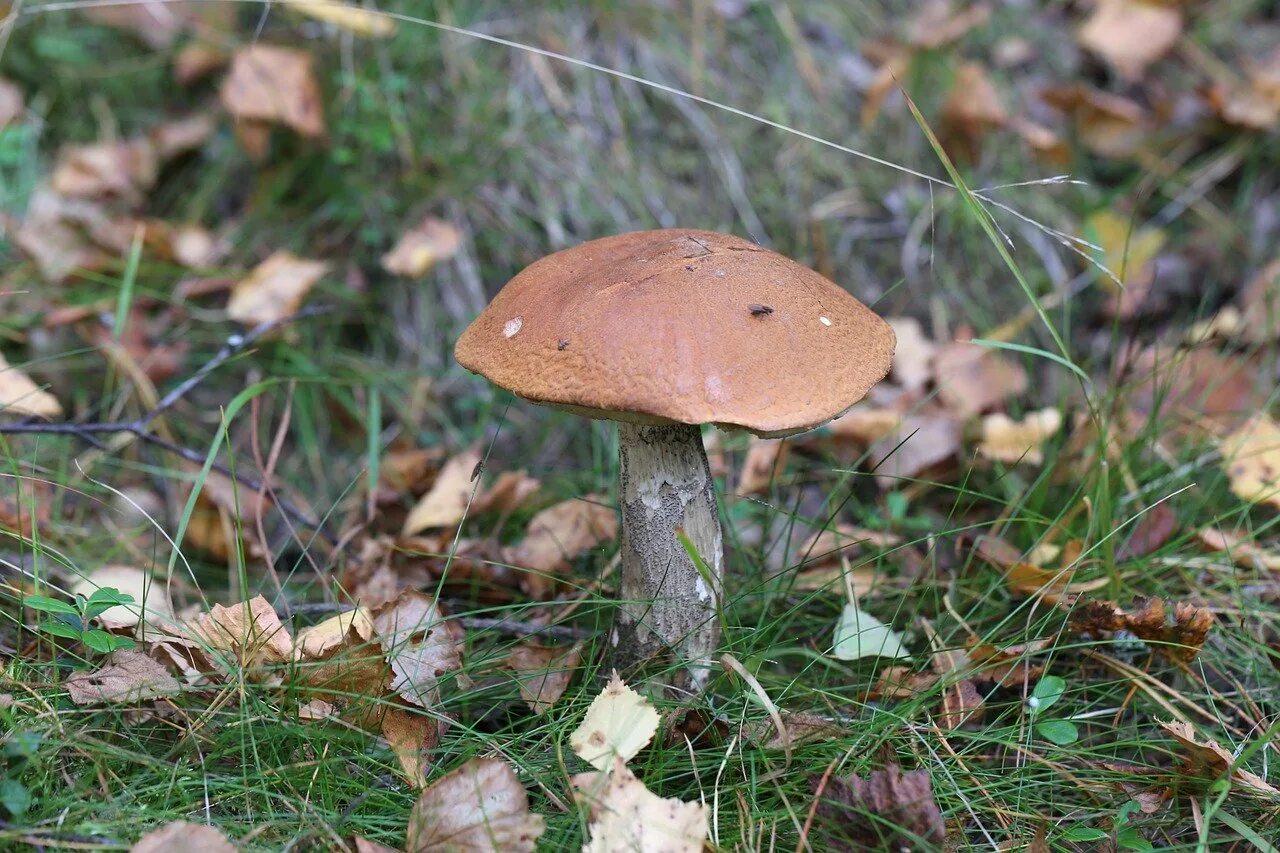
(1126,835)
(18,749)
(1048,691)
(71,621)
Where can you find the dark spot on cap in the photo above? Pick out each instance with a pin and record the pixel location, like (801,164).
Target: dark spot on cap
(562,344)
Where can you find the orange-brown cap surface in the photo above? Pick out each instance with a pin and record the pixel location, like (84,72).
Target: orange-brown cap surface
(680,326)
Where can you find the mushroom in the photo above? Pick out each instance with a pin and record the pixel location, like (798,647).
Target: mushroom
(664,331)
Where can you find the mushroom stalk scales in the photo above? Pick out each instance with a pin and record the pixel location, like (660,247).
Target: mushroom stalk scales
(669,602)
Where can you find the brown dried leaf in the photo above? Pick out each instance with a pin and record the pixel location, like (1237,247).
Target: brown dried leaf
(422,247)
(20,396)
(274,289)
(107,170)
(52,236)
(158,23)
(1154,528)
(1242,551)
(961,701)
(543,672)
(1131,34)
(558,534)
(1208,760)
(421,647)
(939,23)
(181,135)
(510,491)
(1010,441)
(183,837)
(1109,125)
(1178,635)
(128,677)
(1251,456)
(888,810)
(801,728)
(364,845)
(626,816)
(972,379)
(913,354)
(411,737)
(250,631)
(197,60)
(1172,386)
(765,462)
(322,639)
(902,447)
(445,505)
(971,110)
(481,808)
(274,85)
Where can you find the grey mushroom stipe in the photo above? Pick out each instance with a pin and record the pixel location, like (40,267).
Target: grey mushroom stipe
(664,331)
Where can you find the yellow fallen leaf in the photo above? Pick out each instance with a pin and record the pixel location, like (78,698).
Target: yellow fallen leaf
(1251,456)
(627,816)
(274,289)
(20,396)
(1131,34)
(480,808)
(422,247)
(445,504)
(318,640)
(344,16)
(275,85)
(1128,251)
(618,724)
(1007,440)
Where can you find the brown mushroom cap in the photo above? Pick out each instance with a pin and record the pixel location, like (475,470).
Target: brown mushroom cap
(680,326)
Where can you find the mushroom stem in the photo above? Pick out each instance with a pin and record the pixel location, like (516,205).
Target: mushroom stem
(668,607)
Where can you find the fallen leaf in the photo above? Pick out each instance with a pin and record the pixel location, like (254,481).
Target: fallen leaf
(861,635)
(1254,103)
(618,724)
(543,672)
(972,379)
(900,447)
(181,135)
(411,737)
(109,170)
(1260,305)
(269,84)
(765,462)
(250,631)
(939,23)
(22,397)
(971,110)
(421,647)
(1241,550)
(886,810)
(12,105)
(801,728)
(316,709)
(445,505)
(128,677)
(53,235)
(626,816)
(183,837)
(961,701)
(1153,528)
(1193,388)
(480,807)
(350,627)
(274,289)
(422,247)
(1010,441)
(1131,34)
(156,22)
(1108,125)
(912,354)
(510,491)
(1251,456)
(1208,760)
(1129,253)
(150,598)
(364,845)
(344,16)
(1178,635)
(557,535)
(1029,579)
(197,60)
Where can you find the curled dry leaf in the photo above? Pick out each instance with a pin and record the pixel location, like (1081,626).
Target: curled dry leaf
(421,647)
(251,632)
(1010,441)
(619,723)
(129,676)
(114,170)
(150,603)
(1108,125)
(183,837)
(1179,634)
(556,535)
(1131,34)
(1153,528)
(445,505)
(626,816)
(277,85)
(961,701)
(1242,550)
(971,110)
(352,627)
(766,459)
(508,493)
(1208,760)
(22,397)
(411,737)
(972,379)
(543,672)
(480,807)
(274,289)
(1251,456)
(886,810)
(345,16)
(1027,578)
(422,247)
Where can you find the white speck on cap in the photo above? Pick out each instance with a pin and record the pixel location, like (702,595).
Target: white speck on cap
(512,326)
(826,321)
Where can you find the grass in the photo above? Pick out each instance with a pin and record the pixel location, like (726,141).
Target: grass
(532,156)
